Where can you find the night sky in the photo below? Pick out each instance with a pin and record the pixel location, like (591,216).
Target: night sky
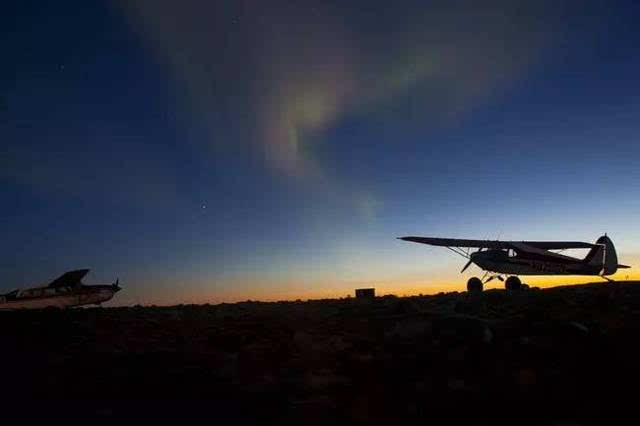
(208,151)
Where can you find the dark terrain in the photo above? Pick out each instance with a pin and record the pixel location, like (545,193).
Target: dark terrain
(559,356)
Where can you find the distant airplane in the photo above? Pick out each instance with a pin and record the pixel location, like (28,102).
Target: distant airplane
(63,292)
(528,258)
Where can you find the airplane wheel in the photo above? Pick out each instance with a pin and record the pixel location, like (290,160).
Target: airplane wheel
(513,283)
(474,285)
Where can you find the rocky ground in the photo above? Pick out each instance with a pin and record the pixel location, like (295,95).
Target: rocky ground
(559,356)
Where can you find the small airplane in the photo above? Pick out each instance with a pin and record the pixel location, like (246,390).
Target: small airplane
(63,292)
(528,258)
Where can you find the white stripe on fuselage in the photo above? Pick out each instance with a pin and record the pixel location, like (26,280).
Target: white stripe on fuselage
(534,267)
(58,301)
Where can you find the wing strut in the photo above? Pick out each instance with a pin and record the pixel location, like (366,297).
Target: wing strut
(458,250)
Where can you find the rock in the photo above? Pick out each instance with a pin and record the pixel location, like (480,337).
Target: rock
(302,340)
(457,353)
(579,326)
(361,410)
(525,378)
(325,379)
(487,336)
(339,344)
(409,330)
(456,384)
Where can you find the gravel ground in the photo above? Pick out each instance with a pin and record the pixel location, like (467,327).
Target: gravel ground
(559,356)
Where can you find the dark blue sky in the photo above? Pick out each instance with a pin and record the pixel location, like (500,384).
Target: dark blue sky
(234,149)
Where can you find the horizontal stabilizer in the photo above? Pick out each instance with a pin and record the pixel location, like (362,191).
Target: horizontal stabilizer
(623,267)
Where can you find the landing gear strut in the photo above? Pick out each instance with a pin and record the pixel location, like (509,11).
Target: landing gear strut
(474,285)
(513,283)
(492,277)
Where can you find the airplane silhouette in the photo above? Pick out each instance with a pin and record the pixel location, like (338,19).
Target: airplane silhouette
(528,258)
(65,291)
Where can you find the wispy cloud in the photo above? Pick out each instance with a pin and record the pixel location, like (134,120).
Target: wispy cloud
(306,66)
(279,76)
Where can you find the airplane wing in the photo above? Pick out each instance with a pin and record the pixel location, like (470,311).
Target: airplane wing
(525,247)
(455,242)
(557,245)
(69,279)
(495,244)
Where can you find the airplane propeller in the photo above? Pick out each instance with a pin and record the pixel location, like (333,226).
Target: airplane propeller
(471,260)
(116,286)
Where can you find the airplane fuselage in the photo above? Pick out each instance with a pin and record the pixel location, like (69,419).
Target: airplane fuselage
(500,261)
(63,297)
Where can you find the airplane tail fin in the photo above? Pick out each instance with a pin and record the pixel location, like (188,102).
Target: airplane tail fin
(603,256)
